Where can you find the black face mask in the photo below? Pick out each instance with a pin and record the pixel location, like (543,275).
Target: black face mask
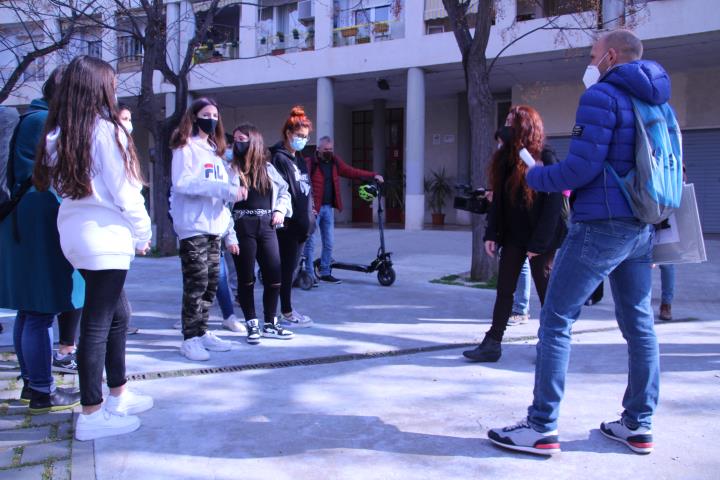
(505,134)
(327,156)
(207,125)
(241,148)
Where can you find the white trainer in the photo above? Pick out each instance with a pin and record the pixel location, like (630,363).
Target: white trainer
(104,423)
(128,403)
(214,343)
(233,324)
(193,349)
(297,320)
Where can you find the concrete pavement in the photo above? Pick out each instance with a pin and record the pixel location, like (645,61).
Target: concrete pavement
(377,388)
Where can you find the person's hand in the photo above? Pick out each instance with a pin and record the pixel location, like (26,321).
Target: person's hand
(144,250)
(278,218)
(234,249)
(532,254)
(242,193)
(379,178)
(489,195)
(490,248)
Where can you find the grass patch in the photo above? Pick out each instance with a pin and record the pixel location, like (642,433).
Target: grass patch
(463,280)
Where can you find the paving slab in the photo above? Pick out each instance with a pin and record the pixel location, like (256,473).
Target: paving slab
(44,451)
(27,473)
(23,436)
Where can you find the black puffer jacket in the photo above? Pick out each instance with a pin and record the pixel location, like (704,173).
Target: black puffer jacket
(539,229)
(293,169)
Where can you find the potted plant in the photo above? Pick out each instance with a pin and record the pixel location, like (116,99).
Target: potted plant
(281,37)
(349,32)
(296,34)
(364,39)
(310,39)
(438,189)
(263,41)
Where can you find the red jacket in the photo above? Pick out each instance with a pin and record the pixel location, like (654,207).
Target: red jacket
(340,169)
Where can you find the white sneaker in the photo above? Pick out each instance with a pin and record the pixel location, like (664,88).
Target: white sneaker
(178,325)
(297,320)
(214,343)
(193,349)
(128,403)
(233,324)
(104,423)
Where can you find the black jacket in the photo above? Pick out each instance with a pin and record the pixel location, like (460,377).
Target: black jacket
(539,229)
(293,169)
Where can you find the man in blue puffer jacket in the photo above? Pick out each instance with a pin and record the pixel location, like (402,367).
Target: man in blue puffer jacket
(604,240)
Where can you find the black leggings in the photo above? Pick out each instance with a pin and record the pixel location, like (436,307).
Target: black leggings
(257,240)
(103,330)
(68,325)
(511,262)
(289,255)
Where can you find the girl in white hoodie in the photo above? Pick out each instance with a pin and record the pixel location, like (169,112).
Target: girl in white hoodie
(88,157)
(201,188)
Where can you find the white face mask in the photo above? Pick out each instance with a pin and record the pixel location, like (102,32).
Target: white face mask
(592,73)
(128,126)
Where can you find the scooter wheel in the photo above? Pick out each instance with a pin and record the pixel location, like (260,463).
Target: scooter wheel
(386,276)
(304,280)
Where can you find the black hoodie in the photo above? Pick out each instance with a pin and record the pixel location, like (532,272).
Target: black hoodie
(293,170)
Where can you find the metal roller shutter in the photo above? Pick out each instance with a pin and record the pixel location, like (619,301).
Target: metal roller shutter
(701,154)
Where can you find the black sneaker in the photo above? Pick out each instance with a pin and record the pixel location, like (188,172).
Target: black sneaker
(316,284)
(274,330)
(26,393)
(60,399)
(488,351)
(330,279)
(253,331)
(65,364)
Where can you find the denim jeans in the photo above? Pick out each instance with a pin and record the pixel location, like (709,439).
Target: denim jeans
(33,340)
(620,249)
(326,226)
(224,297)
(667,283)
(521,302)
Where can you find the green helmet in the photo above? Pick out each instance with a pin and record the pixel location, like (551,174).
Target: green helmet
(367,192)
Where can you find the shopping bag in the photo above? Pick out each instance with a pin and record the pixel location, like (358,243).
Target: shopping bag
(681,239)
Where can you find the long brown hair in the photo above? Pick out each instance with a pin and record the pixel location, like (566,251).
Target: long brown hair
(295,122)
(188,128)
(506,165)
(87,94)
(253,168)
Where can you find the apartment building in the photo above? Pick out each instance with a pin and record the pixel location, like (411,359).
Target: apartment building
(384,79)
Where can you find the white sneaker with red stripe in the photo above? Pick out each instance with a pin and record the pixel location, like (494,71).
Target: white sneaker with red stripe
(523,438)
(639,440)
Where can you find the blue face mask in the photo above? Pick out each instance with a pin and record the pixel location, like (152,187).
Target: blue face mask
(298,143)
(228,154)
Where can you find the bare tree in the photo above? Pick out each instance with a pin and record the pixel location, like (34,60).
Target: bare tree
(472,41)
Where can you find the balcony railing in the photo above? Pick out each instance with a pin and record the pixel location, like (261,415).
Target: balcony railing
(212,52)
(281,43)
(363,33)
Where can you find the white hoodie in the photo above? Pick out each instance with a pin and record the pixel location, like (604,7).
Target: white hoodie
(102,230)
(201,186)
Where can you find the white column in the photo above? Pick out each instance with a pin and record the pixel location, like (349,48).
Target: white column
(173,35)
(324,15)
(248,30)
(186,28)
(379,146)
(414,19)
(613,14)
(415,150)
(325,108)
(463,151)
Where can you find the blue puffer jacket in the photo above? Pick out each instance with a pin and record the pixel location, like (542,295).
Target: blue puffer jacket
(604,130)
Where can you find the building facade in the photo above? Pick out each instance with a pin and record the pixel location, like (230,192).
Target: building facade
(384,79)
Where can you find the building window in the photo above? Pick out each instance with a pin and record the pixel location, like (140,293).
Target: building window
(94,48)
(368,21)
(130,50)
(281,29)
(531,9)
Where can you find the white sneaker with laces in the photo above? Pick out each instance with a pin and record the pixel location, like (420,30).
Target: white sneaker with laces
(193,349)
(523,438)
(128,403)
(233,324)
(297,320)
(518,319)
(104,423)
(214,343)
(177,325)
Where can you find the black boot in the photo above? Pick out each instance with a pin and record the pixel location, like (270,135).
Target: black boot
(488,351)
(60,399)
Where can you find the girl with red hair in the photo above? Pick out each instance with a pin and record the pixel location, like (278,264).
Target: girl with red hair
(521,224)
(288,160)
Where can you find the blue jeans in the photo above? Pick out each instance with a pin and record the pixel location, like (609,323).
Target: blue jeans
(224,297)
(667,283)
(592,251)
(326,226)
(33,340)
(521,302)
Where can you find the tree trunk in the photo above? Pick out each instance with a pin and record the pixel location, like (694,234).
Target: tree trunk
(482,126)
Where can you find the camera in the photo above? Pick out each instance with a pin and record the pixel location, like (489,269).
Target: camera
(471,199)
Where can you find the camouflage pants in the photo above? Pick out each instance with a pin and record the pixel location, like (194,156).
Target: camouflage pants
(200,259)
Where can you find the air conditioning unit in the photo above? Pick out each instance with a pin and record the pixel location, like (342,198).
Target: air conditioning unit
(306,10)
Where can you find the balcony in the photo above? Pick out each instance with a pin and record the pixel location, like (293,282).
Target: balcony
(223,39)
(532,9)
(361,22)
(285,27)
